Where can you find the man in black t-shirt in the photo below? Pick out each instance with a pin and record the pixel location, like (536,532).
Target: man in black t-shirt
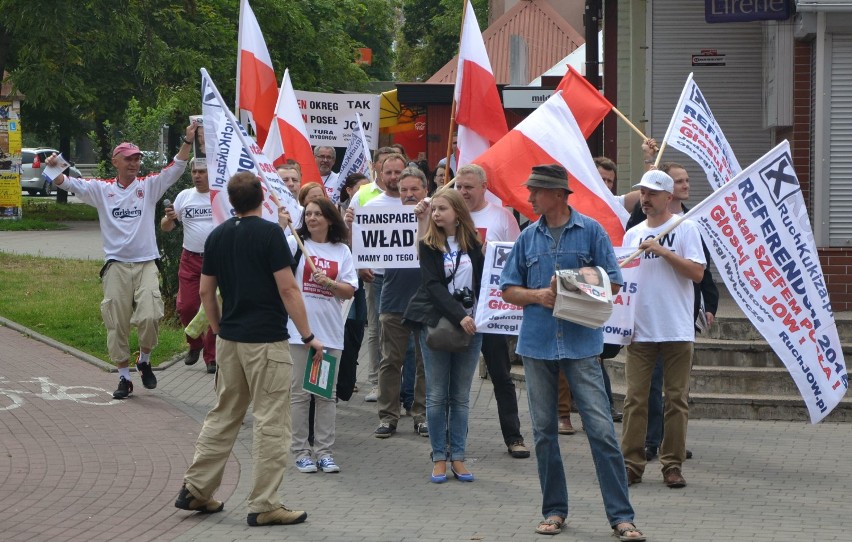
(247,258)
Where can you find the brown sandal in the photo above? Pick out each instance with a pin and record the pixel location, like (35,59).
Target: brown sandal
(550,522)
(631,528)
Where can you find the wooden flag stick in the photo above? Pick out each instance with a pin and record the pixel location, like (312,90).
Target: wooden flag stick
(659,155)
(655,239)
(630,124)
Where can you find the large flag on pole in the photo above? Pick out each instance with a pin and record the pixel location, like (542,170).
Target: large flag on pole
(231,150)
(288,136)
(587,104)
(551,135)
(257,88)
(764,249)
(479,112)
(355,160)
(694,131)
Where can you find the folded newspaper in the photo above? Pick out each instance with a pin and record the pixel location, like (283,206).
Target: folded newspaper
(583,296)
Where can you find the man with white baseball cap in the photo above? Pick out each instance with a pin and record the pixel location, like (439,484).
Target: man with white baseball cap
(126,206)
(663,327)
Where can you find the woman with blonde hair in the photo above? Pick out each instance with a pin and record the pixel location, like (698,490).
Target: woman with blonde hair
(451,264)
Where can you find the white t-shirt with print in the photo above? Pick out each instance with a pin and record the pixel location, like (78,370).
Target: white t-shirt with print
(463,276)
(194,210)
(126,215)
(665,302)
(495,223)
(323,308)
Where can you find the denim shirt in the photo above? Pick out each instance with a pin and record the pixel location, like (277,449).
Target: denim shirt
(531,264)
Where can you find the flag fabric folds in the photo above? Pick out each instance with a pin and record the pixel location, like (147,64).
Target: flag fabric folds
(587,104)
(763,246)
(229,149)
(355,160)
(694,131)
(479,111)
(257,88)
(551,135)
(288,136)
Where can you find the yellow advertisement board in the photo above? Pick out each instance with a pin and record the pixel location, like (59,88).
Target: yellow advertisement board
(10,160)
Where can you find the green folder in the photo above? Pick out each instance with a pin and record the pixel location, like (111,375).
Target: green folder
(319,376)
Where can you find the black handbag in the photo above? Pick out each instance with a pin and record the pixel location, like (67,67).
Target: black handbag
(445,336)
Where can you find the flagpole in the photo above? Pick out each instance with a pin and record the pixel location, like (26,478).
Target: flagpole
(247,146)
(239,59)
(630,124)
(453,106)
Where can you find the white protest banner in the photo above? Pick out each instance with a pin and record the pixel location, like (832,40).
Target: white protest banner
(493,315)
(385,237)
(764,249)
(329,118)
(230,150)
(619,328)
(693,130)
(356,160)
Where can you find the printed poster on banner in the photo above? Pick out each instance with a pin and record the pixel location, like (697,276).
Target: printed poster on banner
(10,160)
(619,328)
(493,314)
(355,160)
(330,118)
(385,237)
(763,246)
(694,131)
(230,150)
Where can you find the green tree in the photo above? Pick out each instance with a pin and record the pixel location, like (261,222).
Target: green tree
(429,36)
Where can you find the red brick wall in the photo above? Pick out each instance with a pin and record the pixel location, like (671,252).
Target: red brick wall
(836,262)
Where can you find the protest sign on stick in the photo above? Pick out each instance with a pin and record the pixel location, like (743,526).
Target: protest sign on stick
(385,236)
(694,131)
(763,245)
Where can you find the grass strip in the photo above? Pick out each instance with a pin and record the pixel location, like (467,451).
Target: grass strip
(45,214)
(61,298)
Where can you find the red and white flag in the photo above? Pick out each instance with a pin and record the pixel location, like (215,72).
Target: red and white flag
(587,104)
(257,87)
(550,135)
(288,136)
(479,112)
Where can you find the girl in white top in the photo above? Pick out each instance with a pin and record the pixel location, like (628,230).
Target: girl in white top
(324,234)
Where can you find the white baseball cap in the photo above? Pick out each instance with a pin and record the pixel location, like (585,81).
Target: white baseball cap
(656,180)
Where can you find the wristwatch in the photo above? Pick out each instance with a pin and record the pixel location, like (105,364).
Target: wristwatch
(187,141)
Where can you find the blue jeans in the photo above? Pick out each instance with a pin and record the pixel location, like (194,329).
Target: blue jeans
(586,383)
(406,392)
(655,408)
(449,376)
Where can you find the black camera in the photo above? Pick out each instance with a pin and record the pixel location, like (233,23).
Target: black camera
(464,296)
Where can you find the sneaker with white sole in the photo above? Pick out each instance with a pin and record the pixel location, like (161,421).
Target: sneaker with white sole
(384,430)
(373,396)
(327,464)
(306,464)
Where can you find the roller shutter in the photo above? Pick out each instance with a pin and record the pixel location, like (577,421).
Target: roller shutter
(840,141)
(734,91)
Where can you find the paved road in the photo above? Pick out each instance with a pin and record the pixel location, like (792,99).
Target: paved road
(93,469)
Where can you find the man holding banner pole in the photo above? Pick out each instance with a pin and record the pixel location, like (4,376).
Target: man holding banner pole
(664,327)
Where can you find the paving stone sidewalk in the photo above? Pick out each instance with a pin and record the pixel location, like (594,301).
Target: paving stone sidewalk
(75,465)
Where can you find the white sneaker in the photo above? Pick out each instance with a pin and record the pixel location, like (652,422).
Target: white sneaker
(306,464)
(373,396)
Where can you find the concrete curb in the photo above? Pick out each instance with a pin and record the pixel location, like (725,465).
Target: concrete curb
(70,350)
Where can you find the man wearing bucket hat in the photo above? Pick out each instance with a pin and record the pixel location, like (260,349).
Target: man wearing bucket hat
(126,206)
(564,239)
(192,208)
(664,327)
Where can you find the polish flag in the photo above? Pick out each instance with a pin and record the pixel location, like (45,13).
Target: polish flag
(587,104)
(479,112)
(257,87)
(288,136)
(550,135)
